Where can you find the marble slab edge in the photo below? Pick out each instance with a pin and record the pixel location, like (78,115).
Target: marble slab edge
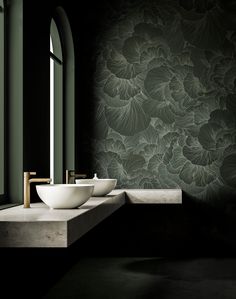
(61,233)
(151,196)
(33,234)
(78,226)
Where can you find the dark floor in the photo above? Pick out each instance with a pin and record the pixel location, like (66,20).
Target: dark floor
(148,278)
(118,258)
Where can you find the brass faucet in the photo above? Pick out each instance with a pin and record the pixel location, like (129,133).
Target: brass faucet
(71,176)
(27,181)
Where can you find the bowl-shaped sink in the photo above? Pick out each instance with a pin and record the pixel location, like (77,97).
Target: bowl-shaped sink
(101,186)
(64,196)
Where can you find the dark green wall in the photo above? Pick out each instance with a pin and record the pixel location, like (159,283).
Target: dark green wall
(161,95)
(155,93)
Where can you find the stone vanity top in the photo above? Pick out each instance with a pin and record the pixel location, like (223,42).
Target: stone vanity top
(41,226)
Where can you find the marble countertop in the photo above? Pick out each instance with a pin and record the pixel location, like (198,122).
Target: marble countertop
(41,226)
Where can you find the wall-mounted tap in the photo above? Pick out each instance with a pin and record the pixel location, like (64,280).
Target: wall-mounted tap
(27,181)
(71,176)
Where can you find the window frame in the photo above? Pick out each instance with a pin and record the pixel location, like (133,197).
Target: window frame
(2,104)
(56,104)
(64,72)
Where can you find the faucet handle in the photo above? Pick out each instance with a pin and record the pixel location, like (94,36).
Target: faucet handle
(79,176)
(27,174)
(70,174)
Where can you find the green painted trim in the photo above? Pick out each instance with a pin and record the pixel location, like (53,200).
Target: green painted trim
(69,87)
(58,123)
(56,40)
(64,119)
(58,105)
(2,100)
(9,205)
(54,57)
(15,101)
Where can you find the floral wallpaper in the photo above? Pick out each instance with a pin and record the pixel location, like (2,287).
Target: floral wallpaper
(165,96)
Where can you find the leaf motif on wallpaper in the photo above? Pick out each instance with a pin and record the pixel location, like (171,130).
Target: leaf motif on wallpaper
(151,62)
(228,170)
(199,156)
(154,162)
(132,163)
(231,102)
(114,101)
(115,146)
(208,135)
(168,154)
(162,110)
(174,36)
(178,160)
(116,170)
(219,66)
(133,48)
(185,121)
(119,66)
(123,88)
(127,120)
(200,175)
(201,64)
(149,183)
(192,141)
(156,81)
(176,85)
(150,136)
(101,128)
(231,149)
(198,6)
(192,86)
(167,180)
(204,30)
(102,161)
(101,75)
(202,114)
(184,100)
(170,137)
(148,150)
(230,78)
(224,118)
(149,32)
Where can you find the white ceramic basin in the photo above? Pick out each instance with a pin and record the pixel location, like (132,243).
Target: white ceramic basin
(101,186)
(64,196)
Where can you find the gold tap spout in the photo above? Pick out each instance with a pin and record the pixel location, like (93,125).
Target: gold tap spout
(71,176)
(27,181)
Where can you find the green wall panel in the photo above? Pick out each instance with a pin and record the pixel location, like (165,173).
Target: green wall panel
(165,96)
(1,98)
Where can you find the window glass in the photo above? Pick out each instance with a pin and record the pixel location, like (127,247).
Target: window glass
(56,106)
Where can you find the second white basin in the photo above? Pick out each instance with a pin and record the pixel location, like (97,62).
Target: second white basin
(64,196)
(101,186)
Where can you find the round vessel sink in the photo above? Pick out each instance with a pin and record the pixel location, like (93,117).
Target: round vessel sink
(64,196)
(101,186)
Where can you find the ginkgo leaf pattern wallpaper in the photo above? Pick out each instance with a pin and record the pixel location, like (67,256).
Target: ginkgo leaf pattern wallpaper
(165,96)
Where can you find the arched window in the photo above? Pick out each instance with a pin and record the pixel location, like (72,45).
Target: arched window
(61,97)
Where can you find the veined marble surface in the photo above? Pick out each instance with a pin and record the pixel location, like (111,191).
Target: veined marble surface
(41,226)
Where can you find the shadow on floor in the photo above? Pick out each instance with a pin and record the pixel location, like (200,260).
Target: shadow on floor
(148,278)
